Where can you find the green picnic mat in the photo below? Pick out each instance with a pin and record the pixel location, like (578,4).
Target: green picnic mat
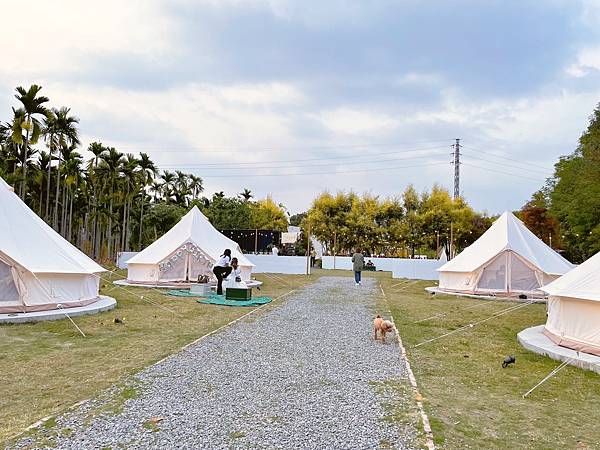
(215,299)
(182,293)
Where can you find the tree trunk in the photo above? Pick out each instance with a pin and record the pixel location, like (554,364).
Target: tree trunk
(25,151)
(109,231)
(141,223)
(41,198)
(127,233)
(69,232)
(55,215)
(63,212)
(46,215)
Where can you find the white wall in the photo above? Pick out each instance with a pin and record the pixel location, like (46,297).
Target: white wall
(278,264)
(123,257)
(417,269)
(263,263)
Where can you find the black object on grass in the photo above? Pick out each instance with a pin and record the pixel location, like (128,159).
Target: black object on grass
(507,361)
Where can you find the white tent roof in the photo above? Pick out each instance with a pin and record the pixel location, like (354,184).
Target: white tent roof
(582,282)
(194,227)
(31,243)
(508,233)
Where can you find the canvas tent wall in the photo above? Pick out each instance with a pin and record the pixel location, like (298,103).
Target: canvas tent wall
(574,308)
(506,259)
(39,270)
(187,250)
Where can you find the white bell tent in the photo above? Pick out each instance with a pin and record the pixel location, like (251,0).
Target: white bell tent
(574,308)
(507,259)
(187,250)
(39,270)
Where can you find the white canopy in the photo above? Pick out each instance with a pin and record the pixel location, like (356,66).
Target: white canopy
(189,249)
(582,282)
(507,257)
(39,269)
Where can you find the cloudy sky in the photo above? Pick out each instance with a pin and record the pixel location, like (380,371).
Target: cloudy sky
(289,98)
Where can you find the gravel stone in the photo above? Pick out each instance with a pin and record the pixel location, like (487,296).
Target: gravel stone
(306,374)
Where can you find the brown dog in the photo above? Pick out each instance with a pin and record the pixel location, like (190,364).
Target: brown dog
(382,326)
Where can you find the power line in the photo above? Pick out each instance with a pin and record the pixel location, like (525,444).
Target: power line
(227,149)
(370,155)
(306,166)
(510,165)
(505,173)
(506,158)
(437,163)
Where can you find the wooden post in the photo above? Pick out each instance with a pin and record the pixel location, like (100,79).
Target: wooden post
(255,241)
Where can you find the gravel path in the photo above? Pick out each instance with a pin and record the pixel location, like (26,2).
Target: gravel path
(306,374)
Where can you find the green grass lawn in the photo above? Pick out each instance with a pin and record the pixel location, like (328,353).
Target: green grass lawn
(48,366)
(471,401)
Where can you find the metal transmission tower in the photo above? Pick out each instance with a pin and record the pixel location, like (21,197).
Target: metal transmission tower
(457,169)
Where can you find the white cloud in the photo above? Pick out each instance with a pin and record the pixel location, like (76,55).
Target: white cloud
(44,37)
(588,60)
(354,121)
(192,115)
(261,94)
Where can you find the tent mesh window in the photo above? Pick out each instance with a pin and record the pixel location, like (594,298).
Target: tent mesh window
(494,275)
(522,277)
(196,268)
(8,290)
(176,268)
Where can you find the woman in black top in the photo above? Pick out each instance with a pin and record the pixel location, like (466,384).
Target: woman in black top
(222,269)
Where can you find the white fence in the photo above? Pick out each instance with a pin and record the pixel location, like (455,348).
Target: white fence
(417,269)
(278,264)
(263,263)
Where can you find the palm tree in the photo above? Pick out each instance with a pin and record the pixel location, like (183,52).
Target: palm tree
(43,166)
(112,160)
(148,172)
(181,187)
(66,136)
(246,195)
(72,162)
(168,178)
(32,107)
(15,143)
(130,180)
(196,185)
(156,188)
(98,150)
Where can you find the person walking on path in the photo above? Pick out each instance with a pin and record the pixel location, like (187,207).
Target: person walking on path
(358,263)
(222,269)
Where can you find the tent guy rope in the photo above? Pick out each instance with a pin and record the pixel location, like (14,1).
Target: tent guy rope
(471,325)
(59,306)
(547,377)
